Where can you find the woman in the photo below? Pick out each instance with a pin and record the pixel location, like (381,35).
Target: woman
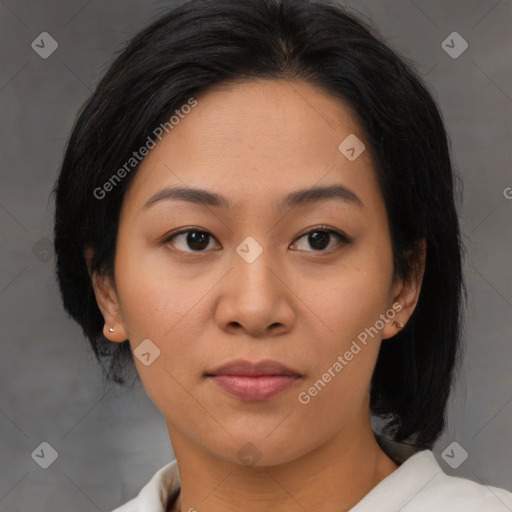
(256,210)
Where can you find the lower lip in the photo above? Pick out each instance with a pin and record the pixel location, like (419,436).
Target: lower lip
(261,387)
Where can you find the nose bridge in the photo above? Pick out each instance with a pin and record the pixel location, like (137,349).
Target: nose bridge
(253,264)
(254,297)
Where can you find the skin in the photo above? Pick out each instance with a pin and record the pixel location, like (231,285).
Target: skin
(254,142)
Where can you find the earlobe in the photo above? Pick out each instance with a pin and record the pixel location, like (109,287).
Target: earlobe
(399,324)
(407,292)
(115,334)
(107,301)
(393,327)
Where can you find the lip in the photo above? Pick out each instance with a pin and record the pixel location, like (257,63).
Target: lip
(254,381)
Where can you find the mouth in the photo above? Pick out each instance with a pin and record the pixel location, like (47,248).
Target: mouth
(254,381)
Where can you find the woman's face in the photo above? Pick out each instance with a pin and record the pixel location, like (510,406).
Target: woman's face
(251,280)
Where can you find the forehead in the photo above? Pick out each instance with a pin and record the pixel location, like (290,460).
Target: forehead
(257,141)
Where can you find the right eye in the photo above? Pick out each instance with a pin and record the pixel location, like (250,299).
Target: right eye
(197,240)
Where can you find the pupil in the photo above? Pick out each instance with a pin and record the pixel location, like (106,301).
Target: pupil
(196,240)
(318,238)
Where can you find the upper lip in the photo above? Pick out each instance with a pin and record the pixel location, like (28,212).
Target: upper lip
(242,367)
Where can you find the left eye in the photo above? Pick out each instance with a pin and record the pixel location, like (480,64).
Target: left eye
(319,238)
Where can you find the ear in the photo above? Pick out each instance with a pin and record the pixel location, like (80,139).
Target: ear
(108,302)
(406,292)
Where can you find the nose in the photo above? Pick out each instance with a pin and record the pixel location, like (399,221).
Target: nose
(255,296)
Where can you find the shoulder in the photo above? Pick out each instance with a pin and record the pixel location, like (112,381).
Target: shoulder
(153,497)
(454,494)
(420,484)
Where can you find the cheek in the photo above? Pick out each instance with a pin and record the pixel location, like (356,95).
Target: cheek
(349,326)
(357,294)
(345,358)
(160,304)
(154,294)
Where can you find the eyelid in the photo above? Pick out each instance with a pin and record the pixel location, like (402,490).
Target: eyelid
(185,230)
(328,229)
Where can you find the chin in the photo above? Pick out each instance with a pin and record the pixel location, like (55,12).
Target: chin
(260,451)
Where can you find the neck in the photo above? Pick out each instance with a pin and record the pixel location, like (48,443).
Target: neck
(342,471)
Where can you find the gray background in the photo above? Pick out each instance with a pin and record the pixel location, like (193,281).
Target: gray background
(110,442)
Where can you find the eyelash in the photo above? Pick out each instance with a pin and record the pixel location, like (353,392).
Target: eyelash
(342,239)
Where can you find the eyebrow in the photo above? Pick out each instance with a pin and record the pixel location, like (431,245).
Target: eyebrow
(297,198)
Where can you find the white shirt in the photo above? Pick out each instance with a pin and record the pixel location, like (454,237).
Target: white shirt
(417,485)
